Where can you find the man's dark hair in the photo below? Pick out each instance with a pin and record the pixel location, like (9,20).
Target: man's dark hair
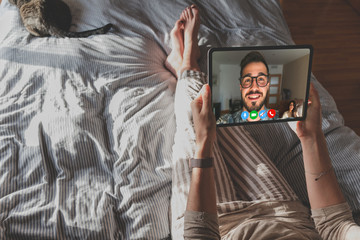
(250,58)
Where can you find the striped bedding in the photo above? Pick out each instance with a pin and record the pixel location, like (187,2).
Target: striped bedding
(87,126)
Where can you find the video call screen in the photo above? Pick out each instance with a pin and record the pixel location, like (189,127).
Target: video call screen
(259,84)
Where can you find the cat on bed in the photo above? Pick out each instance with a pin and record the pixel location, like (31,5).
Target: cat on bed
(51,18)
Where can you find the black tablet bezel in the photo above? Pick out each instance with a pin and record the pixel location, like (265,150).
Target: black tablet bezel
(259,48)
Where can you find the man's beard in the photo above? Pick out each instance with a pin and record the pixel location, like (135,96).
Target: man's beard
(253,106)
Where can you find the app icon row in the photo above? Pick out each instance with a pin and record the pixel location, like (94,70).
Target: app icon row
(262,114)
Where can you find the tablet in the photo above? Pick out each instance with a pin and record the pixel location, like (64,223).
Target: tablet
(263,84)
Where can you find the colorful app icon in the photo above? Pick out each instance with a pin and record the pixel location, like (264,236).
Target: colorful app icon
(253,114)
(244,115)
(271,113)
(263,114)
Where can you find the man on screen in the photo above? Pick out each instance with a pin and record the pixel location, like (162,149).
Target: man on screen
(254,87)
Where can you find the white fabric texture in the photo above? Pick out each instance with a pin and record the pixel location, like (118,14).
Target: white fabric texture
(85,130)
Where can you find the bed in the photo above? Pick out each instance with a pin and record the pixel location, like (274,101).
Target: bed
(87,124)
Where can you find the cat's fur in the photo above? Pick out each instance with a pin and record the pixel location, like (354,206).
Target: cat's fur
(50,18)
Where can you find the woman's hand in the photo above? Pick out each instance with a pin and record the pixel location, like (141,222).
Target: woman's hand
(311,127)
(204,123)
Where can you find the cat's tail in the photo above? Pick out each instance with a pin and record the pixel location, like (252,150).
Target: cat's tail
(57,32)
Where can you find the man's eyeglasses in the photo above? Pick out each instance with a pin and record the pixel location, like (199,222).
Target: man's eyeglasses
(261,80)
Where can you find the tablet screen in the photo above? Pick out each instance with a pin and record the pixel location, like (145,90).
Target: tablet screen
(259,84)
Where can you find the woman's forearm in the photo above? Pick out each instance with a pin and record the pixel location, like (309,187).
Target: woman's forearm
(322,185)
(202,191)
(202,194)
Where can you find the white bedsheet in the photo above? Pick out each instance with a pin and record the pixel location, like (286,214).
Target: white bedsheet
(87,125)
(85,145)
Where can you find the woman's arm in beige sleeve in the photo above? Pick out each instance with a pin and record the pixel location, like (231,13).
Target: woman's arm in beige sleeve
(330,211)
(321,182)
